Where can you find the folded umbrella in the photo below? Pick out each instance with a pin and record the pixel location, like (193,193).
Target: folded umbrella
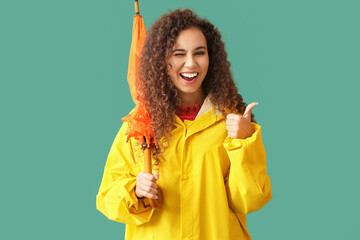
(139,119)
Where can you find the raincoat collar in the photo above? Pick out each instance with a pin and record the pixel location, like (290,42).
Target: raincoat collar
(207,116)
(208,106)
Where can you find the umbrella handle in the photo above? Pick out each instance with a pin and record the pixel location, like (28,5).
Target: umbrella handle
(155,203)
(137,11)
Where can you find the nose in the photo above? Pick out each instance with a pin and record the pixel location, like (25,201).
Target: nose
(190,61)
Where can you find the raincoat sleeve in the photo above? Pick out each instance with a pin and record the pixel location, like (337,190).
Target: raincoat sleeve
(116,198)
(247,183)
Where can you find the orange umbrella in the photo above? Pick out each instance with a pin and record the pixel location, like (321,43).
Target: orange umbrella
(139,119)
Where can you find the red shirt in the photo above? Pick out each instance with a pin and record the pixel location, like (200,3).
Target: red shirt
(188,111)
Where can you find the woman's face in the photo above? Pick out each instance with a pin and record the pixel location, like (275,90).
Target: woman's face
(188,65)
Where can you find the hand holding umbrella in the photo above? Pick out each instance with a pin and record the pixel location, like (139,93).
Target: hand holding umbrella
(146,185)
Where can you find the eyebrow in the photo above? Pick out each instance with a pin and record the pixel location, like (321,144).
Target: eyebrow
(183,50)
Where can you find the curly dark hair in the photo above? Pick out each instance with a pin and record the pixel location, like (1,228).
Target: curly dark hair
(156,89)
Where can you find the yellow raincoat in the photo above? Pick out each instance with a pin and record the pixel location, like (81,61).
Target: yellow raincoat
(209,182)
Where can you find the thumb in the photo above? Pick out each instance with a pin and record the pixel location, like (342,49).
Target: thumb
(247,113)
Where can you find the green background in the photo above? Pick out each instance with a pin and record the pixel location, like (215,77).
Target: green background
(63,92)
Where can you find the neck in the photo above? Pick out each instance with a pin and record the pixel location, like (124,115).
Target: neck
(196,98)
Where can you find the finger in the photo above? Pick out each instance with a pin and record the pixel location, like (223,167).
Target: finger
(156,175)
(247,113)
(232,128)
(138,192)
(147,183)
(232,116)
(234,120)
(232,134)
(148,189)
(148,176)
(230,122)
(148,195)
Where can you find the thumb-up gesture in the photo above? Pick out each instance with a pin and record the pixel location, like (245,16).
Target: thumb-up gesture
(240,126)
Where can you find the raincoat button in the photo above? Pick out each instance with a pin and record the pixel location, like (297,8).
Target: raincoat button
(185,176)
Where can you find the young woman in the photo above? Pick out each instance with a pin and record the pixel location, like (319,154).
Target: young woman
(210,159)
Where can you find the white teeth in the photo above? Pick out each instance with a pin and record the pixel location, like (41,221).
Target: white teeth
(189,75)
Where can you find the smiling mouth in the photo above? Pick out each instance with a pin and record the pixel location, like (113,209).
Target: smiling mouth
(189,76)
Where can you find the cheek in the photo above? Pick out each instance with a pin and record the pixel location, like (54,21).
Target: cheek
(205,65)
(204,62)
(171,71)
(172,67)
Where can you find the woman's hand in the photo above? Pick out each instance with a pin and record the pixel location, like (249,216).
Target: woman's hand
(146,185)
(240,126)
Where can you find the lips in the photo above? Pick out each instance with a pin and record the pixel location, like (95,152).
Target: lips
(189,77)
